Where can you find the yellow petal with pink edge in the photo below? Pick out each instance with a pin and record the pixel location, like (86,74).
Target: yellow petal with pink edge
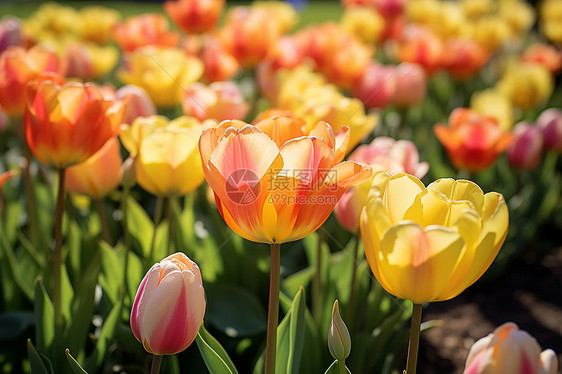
(305,159)
(415,263)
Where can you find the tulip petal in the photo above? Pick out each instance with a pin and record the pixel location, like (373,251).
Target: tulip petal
(399,192)
(460,190)
(417,264)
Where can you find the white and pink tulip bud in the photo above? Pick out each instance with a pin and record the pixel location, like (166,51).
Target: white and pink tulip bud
(169,306)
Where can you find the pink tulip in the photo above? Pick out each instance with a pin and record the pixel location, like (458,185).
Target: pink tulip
(550,122)
(138,102)
(219,100)
(169,306)
(526,149)
(383,154)
(411,84)
(509,350)
(376,88)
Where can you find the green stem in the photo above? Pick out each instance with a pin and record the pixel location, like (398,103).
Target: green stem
(170,219)
(57,262)
(30,196)
(317,283)
(414,339)
(341,366)
(273,309)
(124,291)
(156,362)
(157,218)
(98,203)
(350,305)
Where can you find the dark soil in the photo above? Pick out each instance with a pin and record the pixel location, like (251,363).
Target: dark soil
(529,294)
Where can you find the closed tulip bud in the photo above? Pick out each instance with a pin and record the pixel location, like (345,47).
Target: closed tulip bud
(509,350)
(526,149)
(169,306)
(127,173)
(219,101)
(411,84)
(375,88)
(339,340)
(550,121)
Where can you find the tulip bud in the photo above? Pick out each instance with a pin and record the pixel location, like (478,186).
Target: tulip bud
(128,173)
(550,122)
(339,341)
(509,350)
(169,306)
(526,149)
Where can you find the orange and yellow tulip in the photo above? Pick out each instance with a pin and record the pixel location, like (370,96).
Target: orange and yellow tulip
(273,194)
(428,244)
(146,29)
(473,142)
(194,16)
(219,101)
(165,152)
(66,125)
(99,174)
(18,67)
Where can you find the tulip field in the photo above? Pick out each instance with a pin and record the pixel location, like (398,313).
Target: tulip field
(201,186)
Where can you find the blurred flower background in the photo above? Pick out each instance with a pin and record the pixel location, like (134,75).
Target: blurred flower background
(105,179)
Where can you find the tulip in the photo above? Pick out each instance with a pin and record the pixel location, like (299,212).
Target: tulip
(375,88)
(383,154)
(526,149)
(337,54)
(411,84)
(420,45)
(364,23)
(550,20)
(52,21)
(492,103)
(138,103)
(161,73)
(430,243)
(473,142)
(218,101)
(526,85)
(194,16)
(491,32)
(219,64)
(169,306)
(99,174)
(339,340)
(96,23)
(464,58)
(10,32)
(166,158)
(19,67)
(286,192)
(150,29)
(509,350)
(545,55)
(273,194)
(550,122)
(87,60)
(66,125)
(520,16)
(248,35)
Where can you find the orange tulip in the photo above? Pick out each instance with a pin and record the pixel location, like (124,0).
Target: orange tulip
(99,174)
(65,125)
(194,15)
(464,58)
(472,141)
(421,45)
(18,67)
(146,29)
(273,194)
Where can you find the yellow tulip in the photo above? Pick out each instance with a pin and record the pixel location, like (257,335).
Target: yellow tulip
(167,161)
(162,73)
(492,103)
(364,23)
(526,85)
(430,243)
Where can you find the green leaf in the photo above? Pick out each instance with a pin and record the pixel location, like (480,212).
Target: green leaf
(76,368)
(215,357)
(44,317)
(290,337)
(14,269)
(335,369)
(36,361)
(234,311)
(140,225)
(112,270)
(12,324)
(107,334)
(67,295)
